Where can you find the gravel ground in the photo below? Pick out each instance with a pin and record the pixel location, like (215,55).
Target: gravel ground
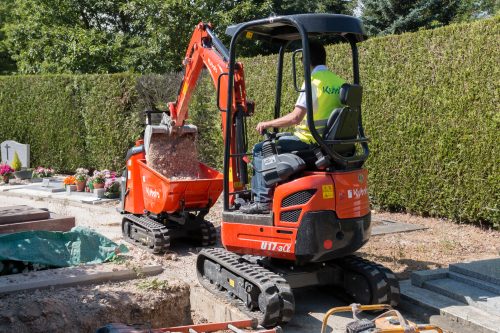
(442,243)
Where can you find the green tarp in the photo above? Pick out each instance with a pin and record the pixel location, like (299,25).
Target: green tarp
(60,249)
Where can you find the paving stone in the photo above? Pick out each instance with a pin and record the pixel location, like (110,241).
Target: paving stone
(486,270)
(480,298)
(418,278)
(469,317)
(22,213)
(384,227)
(495,288)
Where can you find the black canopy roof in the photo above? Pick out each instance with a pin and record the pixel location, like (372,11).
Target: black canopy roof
(283,28)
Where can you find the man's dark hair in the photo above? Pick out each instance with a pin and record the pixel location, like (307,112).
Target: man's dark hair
(318,53)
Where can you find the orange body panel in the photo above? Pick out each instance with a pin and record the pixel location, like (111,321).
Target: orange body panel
(134,201)
(149,190)
(162,195)
(342,192)
(351,194)
(321,200)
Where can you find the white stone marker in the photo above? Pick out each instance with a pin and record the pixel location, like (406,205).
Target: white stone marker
(9,148)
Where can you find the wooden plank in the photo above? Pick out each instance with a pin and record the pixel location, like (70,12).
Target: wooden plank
(54,223)
(73,276)
(22,213)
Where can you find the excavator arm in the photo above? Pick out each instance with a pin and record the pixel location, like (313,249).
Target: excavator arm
(205,50)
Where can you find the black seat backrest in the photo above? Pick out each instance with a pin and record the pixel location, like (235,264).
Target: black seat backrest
(343,123)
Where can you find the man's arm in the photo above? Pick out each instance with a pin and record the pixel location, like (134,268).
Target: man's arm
(291,119)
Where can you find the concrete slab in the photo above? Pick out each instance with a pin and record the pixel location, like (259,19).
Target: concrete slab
(52,188)
(480,298)
(494,288)
(22,213)
(418,278)
(486,270)
(34,191)
(212,308)
(72,276)
(429,303)
(383,227)
(54,223)
(311,306)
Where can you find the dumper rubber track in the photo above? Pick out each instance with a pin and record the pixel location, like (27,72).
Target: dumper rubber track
(269,297)
(379,284)
(208,233)
(146,233)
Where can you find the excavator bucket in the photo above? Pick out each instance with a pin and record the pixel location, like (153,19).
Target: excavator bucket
(168,128)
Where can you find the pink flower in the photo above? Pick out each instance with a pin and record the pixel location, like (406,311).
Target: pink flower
(5,169)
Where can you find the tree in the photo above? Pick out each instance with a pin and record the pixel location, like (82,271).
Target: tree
(107,36)
(396,16)
(476,9)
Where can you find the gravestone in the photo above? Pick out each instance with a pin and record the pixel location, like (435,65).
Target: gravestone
(9,148)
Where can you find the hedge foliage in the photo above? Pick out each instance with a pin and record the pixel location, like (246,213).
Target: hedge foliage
(430,108)
(71,121)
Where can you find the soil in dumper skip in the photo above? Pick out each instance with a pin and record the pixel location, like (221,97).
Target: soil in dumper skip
(174,156)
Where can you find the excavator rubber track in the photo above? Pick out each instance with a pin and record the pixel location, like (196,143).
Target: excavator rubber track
(145,233)
(269,297)
(381,285)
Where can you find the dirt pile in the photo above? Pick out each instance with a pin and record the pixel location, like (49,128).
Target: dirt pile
(84,309)
(174,156)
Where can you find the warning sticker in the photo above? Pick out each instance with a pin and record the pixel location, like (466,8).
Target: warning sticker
(327,191)
(231,282)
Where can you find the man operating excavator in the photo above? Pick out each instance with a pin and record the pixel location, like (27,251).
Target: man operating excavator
(325,99)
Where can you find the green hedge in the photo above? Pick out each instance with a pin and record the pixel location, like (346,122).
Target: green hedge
(430,108)
(71,121)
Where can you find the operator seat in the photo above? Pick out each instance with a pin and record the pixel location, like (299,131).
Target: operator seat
(343,124)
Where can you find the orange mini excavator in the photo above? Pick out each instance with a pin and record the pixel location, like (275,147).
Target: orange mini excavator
(320,210)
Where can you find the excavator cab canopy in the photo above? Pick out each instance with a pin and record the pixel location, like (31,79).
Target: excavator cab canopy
(315,25)
(337,148)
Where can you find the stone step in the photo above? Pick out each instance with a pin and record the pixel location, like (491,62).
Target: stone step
(494,288)
(487,270)
(465,293)
(450,310)
(418,278)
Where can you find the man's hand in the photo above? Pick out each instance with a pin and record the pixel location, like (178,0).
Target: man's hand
(262,126)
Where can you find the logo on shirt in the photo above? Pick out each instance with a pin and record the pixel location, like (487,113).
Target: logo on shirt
(331,90)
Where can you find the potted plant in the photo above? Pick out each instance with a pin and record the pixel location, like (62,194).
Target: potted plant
(111,188)
(69,180)
(20,172)
(98,179)
(5,172)
(42,172)
(81,179)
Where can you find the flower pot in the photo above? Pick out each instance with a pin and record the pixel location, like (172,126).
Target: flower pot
(6,179)
(80,186)
(98,185)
